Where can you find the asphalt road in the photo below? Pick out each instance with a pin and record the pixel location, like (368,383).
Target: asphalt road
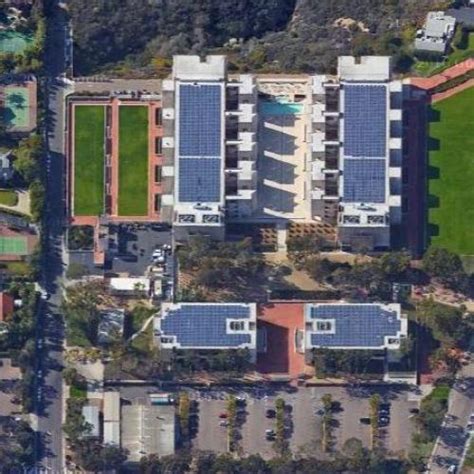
(452,440)
(50,357)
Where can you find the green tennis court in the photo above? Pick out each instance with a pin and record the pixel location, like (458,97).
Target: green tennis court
(14,42)
(16,109)
(13,246)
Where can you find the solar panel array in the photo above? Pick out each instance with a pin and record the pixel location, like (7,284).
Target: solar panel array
(200,142)
(356,325)
(200,120)
(199,179)
(365,120)
(364,180)
(205,325)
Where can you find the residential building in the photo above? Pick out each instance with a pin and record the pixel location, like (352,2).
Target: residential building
(207,326)
(436,33)
(357,151)
(148,429)
(132,286)
(111,410)
(209,144)
(7,305)
(369,326)
(91,416)
(6,166)
(110,325)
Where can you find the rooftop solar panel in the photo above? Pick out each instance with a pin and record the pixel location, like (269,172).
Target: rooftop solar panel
(200,120)
(355,325)
(205,325)
(365,120)
(199,179)
(364,180)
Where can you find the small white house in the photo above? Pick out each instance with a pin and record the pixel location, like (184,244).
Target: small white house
(133,286)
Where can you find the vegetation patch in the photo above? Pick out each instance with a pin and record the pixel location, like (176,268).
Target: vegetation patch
(133,161)
(8,197)
(451,174)
(89,135)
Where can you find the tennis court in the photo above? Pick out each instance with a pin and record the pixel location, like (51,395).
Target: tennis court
(14,42)
(17,107)
(13,246)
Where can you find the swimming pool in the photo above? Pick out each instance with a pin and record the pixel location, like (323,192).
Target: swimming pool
(280,108)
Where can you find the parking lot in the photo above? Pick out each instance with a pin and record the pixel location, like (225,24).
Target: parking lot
(303,423)
(133,245)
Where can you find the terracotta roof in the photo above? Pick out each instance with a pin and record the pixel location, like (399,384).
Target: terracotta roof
(6,305)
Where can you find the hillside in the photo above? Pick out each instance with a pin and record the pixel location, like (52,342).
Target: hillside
(271,35)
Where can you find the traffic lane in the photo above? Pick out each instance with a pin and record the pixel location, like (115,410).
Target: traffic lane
(210,435)
(253,440)
(402,424)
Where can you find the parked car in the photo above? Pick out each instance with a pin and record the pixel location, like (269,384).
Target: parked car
(223,423)
(223,415)
(415,411)
(364,420)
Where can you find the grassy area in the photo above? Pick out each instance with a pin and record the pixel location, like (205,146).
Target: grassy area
(77,392)
(469,462)
(14,41)
(133,161)
(8,197)
(451,174)
(441,392)
(19,269)
(89,130)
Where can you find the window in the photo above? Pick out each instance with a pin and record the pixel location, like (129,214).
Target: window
(158,145)
(157,202)
(237,325)
(159,116)
(324,326)
(158,174)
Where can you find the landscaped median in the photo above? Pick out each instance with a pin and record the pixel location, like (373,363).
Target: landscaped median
(433,409)
(133,160)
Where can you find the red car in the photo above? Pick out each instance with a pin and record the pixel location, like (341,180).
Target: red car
(223,415)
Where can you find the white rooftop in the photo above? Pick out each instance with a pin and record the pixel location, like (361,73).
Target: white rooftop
(438,24)
(193,68)
(130,284)
(365,68)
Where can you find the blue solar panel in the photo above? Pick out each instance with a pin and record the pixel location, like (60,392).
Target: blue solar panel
(200,120)
(364,180)
(205,325)
(199,179)
(355,325)
(365,120)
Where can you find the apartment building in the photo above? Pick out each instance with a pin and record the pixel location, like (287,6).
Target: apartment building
(357,151)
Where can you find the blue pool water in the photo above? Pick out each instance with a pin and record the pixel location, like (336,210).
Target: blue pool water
(280,108)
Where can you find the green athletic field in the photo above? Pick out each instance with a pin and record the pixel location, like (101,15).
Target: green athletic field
(451,173)
(17,110)
(89,135)
(133,161)
(13,246)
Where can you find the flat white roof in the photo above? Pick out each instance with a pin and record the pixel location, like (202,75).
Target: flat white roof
(365,68)
(130,284)
(111,406)
(192,68)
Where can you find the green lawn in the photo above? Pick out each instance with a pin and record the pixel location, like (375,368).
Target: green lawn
(133,161)
(8,197)
(17,107)
(89,130)
(451,174)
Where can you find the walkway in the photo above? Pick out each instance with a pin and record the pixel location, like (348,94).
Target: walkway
(428,83)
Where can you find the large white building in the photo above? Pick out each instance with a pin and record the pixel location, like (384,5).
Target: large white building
(357,151)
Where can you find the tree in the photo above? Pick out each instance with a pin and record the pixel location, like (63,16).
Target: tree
(70,375)
(356,454)
(447,266)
